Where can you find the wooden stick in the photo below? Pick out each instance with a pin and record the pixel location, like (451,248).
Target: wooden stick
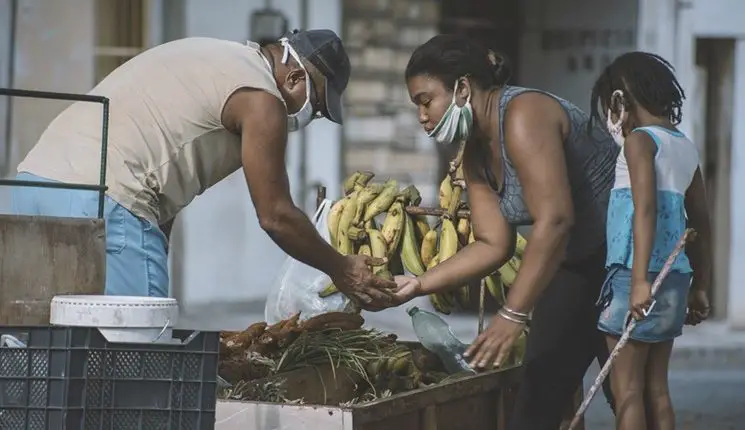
(482,299)
(419,210)
(320,196)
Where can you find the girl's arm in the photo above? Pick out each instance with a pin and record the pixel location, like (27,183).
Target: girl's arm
(639,150)
(699,250)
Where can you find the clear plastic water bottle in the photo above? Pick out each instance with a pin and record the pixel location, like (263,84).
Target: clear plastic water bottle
(436,336)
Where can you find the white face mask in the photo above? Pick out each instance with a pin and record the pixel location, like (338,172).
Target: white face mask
(616,129)
(456,123)
(304,116)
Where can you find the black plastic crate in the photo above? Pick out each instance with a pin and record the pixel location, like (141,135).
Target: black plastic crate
(72,378)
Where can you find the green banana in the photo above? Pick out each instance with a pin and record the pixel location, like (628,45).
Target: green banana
(410,252)
(382,202)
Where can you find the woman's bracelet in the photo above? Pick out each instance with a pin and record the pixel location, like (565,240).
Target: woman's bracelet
(516,314)
(502,313)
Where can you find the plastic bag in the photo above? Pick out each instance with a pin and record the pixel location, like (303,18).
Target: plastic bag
(297,285)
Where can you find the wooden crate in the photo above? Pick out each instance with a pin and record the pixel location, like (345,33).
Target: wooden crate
(479,402)
(41,257)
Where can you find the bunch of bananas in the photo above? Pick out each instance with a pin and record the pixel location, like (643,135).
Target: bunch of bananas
(456,232)
(408,241)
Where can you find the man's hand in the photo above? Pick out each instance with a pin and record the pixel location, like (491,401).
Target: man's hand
(640,299)
(698,306)
(356,281)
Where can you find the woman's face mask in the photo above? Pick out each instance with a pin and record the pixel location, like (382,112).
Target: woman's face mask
(616,128)
(456,123)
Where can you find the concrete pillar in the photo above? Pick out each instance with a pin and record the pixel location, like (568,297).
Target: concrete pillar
(736,309)
(54,52)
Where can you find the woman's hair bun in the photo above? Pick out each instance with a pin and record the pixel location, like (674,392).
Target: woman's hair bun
(500,66)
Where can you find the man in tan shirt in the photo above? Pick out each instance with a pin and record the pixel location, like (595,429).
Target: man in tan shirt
(184,115)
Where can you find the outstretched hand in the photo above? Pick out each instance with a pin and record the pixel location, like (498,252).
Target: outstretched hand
(407,287)
(356,280)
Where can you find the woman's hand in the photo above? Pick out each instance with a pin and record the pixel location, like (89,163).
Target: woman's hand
(640,299)
(494,344)
(408,287)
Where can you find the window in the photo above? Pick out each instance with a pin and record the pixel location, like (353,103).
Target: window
(120,33)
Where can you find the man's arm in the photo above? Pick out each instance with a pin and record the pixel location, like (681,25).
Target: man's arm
(261,120)
(535,144)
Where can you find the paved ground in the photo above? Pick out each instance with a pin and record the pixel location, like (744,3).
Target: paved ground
(707,399)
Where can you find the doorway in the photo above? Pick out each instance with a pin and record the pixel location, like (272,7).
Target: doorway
(716,59)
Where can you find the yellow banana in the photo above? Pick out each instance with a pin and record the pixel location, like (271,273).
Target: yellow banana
(508,274)
(334,216)
(344,243)
(328,291)
(366,195)
(410,196)
(495,287)
(448,240)
(350,182)
(464,230)
(393,226)
(515,263)
(378,248)
(439,306)
(429,247)
(464,296)
(518,351)
(422,226)
(446,192)
(448,299)
(471,237)
(439,302)
(520,244)
(364,177)
(410,252)
(382,202)
(364,250)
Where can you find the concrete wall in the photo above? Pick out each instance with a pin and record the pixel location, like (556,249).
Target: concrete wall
(219,253)
(566,44)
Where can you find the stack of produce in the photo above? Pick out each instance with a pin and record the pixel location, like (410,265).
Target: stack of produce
(409,241)
(250,358)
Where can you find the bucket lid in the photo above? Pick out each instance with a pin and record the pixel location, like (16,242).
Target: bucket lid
(113,311)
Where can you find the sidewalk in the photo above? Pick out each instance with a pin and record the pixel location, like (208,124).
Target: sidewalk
(711,345)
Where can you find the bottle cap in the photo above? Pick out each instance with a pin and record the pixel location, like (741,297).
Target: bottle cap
(411,310)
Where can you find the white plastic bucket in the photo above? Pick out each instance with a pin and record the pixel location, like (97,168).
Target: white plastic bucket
(120,319)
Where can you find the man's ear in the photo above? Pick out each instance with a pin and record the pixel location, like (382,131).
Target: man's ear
(294,78)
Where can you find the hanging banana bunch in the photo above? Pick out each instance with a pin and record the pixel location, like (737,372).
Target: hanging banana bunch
(410,243)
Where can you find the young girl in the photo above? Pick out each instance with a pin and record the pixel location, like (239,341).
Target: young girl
(658,192)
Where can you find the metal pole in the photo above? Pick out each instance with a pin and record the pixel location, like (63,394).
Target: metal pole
(101,187)
(303,168)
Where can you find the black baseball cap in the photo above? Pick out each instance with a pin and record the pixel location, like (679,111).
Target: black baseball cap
(324,50)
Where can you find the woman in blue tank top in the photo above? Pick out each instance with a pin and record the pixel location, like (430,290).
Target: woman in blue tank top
(528,160)
(658,192)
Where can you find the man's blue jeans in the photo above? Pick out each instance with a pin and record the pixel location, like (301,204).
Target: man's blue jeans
(136,250)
